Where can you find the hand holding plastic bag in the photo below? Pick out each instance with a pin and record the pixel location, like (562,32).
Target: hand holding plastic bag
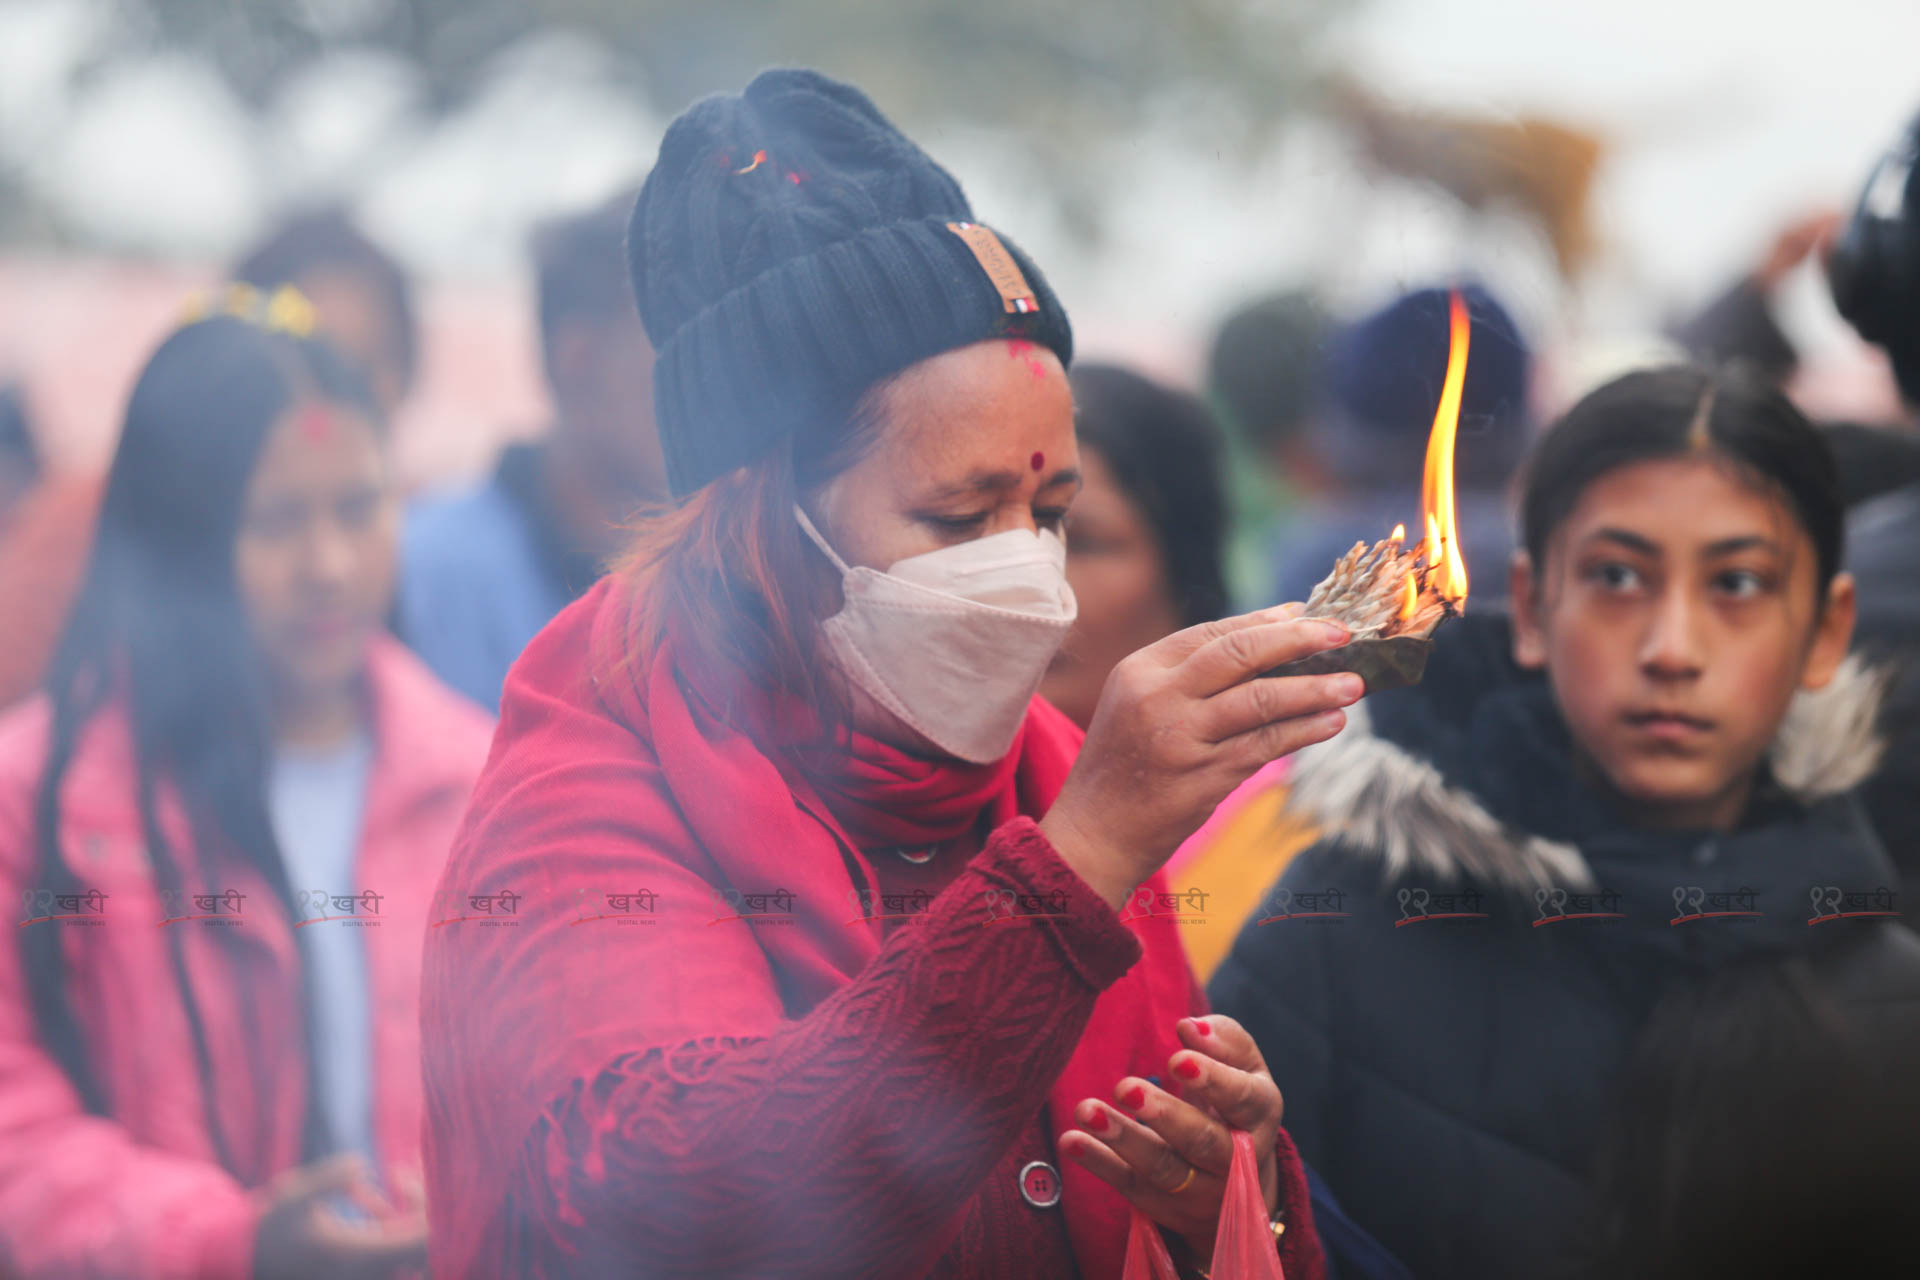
(1171,1154)
(1243,1249)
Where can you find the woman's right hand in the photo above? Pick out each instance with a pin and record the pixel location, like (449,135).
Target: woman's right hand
(304,1236)
(1179,725)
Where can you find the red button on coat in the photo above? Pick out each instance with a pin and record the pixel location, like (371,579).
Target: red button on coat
(1040,1184)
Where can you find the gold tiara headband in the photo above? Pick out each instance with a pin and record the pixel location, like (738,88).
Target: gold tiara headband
(285,310)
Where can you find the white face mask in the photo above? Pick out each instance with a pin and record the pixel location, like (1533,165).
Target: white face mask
(954,642)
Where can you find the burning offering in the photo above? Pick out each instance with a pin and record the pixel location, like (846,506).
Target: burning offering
(1391,596)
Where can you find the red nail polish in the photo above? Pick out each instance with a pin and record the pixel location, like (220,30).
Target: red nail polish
(1187,1069)
(1102,1123)
(1202,1028)
(1135,1098)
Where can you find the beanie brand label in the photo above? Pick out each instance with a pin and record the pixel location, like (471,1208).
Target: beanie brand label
(1015,293)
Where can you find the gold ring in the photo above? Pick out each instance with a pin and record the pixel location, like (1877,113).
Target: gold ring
(1184,1182)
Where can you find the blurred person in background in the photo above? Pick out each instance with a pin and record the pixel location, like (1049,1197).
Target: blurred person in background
(1874,270)
(1641,777)
(1144,548)
(362,296)
(229,749)
(1739,324)
(794,748)
(1144,561)
(481,571)
(1874,457)
(1263,379)
(46,527)
(1383,381)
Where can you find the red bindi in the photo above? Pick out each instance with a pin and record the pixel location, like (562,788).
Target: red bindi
(1038,460)
(314,424)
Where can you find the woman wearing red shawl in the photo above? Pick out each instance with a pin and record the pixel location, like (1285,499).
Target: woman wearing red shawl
(788,932)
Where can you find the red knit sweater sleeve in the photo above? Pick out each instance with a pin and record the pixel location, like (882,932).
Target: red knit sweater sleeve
(849,1141)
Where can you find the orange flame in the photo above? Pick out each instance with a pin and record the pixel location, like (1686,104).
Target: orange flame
(1447,569)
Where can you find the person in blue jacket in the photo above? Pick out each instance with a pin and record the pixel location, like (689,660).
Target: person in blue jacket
(485,568)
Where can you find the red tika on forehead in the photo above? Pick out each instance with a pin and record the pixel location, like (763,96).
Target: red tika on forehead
(314,424)
(1038,460)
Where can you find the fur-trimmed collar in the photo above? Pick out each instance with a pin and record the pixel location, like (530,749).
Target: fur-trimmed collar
(1384,801)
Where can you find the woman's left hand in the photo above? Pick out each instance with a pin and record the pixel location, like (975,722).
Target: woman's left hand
(1170,1155)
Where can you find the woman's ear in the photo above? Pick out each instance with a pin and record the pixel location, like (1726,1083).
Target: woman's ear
(1832,634)
(1523,588)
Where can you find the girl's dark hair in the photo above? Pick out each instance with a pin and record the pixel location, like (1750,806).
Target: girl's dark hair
(1165,451)
(1764,1129)
(159,627)
(1678,412)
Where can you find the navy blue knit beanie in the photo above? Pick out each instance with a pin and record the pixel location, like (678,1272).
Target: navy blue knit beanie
(1384,372)
(790,249)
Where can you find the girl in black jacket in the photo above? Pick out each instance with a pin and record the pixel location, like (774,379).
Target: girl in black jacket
(1639,780)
